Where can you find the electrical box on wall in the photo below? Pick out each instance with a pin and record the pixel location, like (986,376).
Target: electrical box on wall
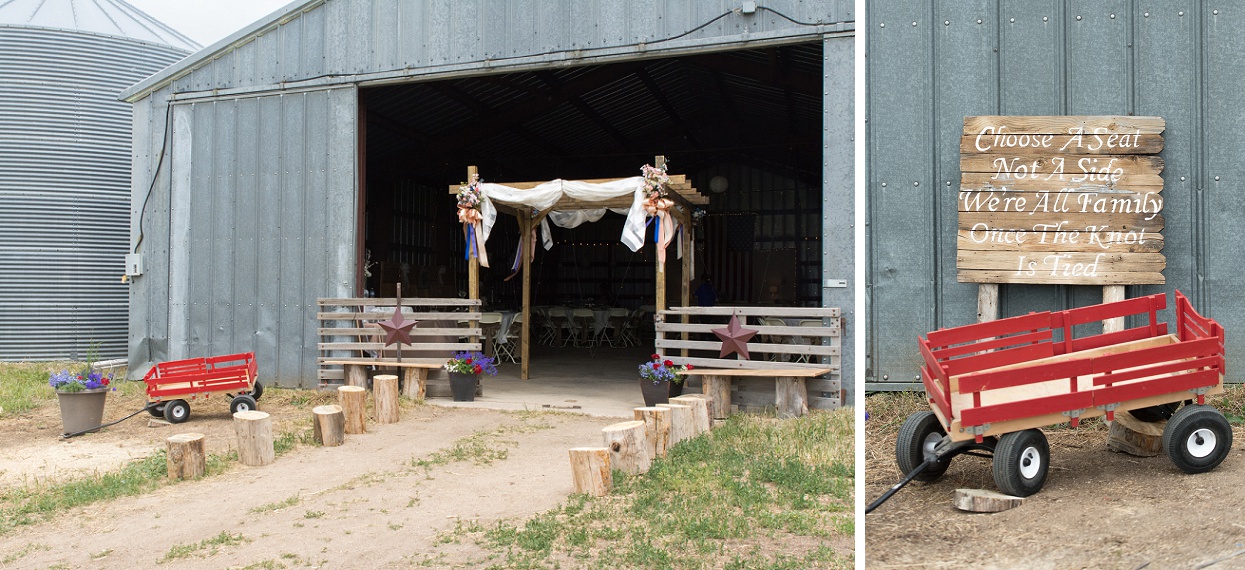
(133,264)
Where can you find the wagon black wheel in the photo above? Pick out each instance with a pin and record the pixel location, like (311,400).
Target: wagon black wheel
(1197,438)
(177,411)
(257,390)
(241,403)
(1021,460)
(156,411)
(918,435)
(1155,413)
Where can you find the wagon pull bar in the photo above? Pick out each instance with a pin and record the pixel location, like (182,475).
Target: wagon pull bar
(901,484)
(945,450)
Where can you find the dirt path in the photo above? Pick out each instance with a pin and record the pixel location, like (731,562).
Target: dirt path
(364,504)
(1099,509)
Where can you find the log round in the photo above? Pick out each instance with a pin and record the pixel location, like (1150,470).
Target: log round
(700,405)
(1135,437)
(254,430)
(354,406)
(628,447)
(719,389)
(681,424)
(385,396)
(329,425)
(415,382)
(185,456)
(656,429)
(590,468)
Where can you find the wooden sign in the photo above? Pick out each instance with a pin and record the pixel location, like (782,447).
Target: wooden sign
(1070,200)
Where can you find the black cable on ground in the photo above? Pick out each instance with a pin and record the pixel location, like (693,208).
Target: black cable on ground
(149,406)
(907,479)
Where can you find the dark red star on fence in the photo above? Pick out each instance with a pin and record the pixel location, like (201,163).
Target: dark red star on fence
(734,338)
(397,328)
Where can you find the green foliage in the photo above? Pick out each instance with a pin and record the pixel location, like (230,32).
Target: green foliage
(206,547)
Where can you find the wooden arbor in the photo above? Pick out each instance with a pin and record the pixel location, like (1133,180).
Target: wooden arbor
(679,189)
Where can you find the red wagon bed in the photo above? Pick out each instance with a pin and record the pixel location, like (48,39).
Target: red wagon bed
(992,384)
(170,383)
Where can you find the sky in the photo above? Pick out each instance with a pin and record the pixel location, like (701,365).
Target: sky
(207,21)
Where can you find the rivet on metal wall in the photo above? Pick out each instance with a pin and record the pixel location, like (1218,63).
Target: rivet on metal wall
(882,25)
(914,24)
(978,21)
(1180,13)
(916,183)
(1147,14)
(1045,18)
(1012,20)
(1216,179)
(946,22)
(1112,16)
(1078,18)
(884,185)
(1216,12)
(1182,179)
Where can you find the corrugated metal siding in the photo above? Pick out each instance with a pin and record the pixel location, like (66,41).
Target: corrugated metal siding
(377,37)
(64,180)
(931,64)
(260,214)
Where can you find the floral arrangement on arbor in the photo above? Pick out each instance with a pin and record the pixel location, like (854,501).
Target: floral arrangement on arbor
(469,200)
(87,379)
(658,370)
(658,206)
(471,363)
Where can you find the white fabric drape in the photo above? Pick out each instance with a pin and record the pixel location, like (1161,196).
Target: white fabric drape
(545,195)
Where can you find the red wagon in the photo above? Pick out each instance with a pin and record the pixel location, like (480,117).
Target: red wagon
(992,385)
(169,384)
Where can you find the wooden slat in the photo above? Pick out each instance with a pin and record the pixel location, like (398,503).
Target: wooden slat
(418,347)
(391,301)
(761,329)
(1135,182)
(811,349)
(370,331)
(1114,277)
(977,331)
(1005,260)
(1072,221)
(412,362)
(1064,124)
(1046,143)
(726,364)
(374,316)
(966,240)
(1058,168)
(789,312)
(774,372)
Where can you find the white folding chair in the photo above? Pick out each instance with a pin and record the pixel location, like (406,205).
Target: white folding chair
(614,325)
(509,350)
(585,323)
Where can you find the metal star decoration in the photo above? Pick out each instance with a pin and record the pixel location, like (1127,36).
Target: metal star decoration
(397,328)
(734,338)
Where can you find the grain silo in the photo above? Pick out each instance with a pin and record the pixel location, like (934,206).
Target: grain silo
(65,155)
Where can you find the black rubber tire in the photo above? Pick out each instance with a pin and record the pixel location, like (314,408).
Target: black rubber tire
(156,411)
(1157,413)
(1021,461)
(176,411)
(243,403)
(919,431)
(257,390)
(1197,438)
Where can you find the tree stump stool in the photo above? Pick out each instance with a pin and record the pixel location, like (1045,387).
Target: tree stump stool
(628,447)
(656,429)
(590,468)
(353,401)
(329,425)
(185,456)
(254,430)
(682,425)
(385,397)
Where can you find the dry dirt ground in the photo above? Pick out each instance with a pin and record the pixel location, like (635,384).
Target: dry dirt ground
(1098,509)
(362,505)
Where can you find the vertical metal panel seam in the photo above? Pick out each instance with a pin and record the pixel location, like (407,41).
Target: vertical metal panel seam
(935,281)
(1196,174)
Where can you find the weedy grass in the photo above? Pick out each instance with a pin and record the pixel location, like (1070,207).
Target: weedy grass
(206,547)
(757,492)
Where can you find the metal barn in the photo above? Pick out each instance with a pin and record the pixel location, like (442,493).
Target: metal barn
(930,64)
(308,156)
(65,170)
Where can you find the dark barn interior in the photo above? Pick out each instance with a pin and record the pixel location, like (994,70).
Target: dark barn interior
(744,126)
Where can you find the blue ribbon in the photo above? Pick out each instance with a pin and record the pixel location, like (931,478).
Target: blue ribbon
(471,241)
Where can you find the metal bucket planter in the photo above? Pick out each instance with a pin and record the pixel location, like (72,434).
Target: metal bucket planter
(81,411)
(463,386)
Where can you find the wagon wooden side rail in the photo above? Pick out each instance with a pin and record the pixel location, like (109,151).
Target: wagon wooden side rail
(351,342)
(1032,370)
(795,359)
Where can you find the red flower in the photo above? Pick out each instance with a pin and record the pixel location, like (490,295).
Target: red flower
(478,369)
(656,356)
(656,366)
(690,367)
(104,381)
(669,363)
(468,361)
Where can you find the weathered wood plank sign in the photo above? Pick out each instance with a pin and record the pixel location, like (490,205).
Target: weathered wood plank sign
(1069,200)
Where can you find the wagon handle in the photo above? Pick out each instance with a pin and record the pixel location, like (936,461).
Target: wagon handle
(901,484)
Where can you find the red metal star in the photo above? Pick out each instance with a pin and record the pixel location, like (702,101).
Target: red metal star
(734,338)
(397,329)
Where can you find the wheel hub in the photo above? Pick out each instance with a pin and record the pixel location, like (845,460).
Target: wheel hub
(1201,443)
(1030,463)
(931,442)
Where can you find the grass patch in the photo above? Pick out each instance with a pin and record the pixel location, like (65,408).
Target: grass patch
(755,493)
(205,548)
(484,447)
(272,507)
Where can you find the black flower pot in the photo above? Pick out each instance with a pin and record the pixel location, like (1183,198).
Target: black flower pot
(654,392)
(676,389)
(463,386)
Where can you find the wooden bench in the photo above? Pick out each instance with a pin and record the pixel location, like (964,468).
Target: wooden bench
(793,367)
(351,342)
(790,392)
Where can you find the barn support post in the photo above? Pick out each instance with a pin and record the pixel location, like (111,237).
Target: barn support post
(473,262)
(525,227)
